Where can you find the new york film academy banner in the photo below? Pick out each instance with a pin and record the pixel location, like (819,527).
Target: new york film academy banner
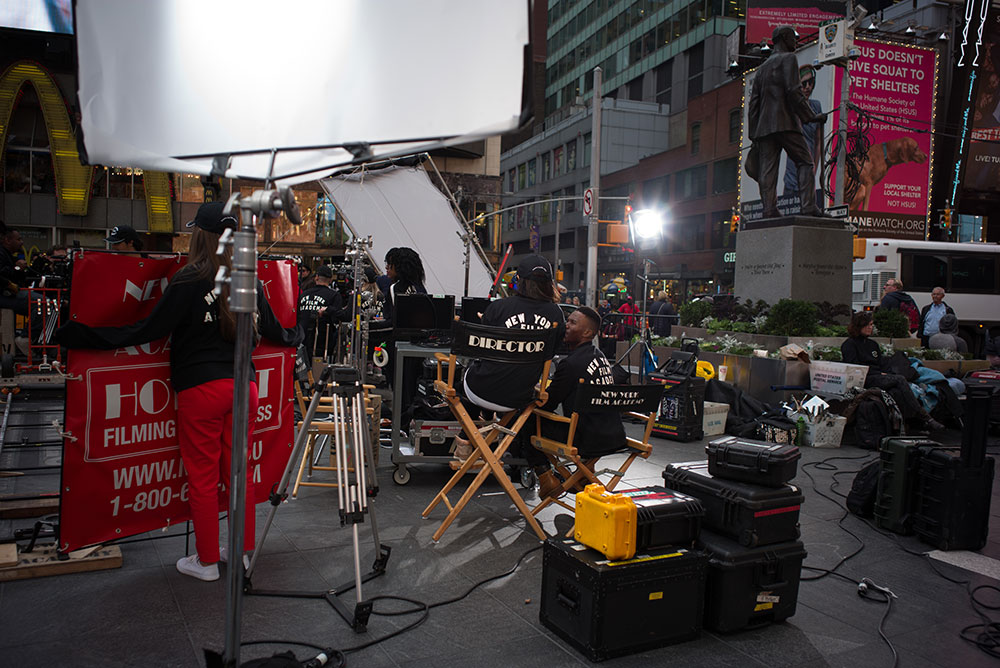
(895,83)
(763,16)
(122,469)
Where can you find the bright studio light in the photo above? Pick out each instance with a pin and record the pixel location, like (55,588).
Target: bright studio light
(647,223)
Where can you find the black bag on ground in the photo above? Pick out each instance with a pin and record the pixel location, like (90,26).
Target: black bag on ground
(864,490)
(871,424)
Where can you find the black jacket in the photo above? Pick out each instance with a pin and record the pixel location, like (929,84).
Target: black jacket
(862,350)
(189,313)
(311,301)
(923,315)
(513,384)
(892,300)
(596,433)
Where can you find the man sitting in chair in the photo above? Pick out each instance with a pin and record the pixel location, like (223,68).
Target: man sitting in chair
(596,433)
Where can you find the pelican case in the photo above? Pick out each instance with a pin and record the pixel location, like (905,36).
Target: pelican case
(953,501)
(619,523)
(751,514)
(897,485)
(750,586)
(681,413)
(609,608)
(757,462)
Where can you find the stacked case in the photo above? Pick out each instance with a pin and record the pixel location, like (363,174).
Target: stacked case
(750,530)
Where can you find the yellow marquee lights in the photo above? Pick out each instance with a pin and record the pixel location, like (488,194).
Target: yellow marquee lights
(72,178)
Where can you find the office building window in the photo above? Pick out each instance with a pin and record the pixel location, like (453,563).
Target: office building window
(586,150)
(571,156)
(546,166)
(735,119)
(664,82)
(557,161)
(695,138)
(522,175)
(531,172)
(696,67)
(656,192)
(725,175)
(690,183)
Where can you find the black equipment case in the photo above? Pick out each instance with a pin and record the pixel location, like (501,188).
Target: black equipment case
(756,462)
(953,500)
(750,586)
(682,408)
(606,609)
(751,514)
(897,484)
(664,517)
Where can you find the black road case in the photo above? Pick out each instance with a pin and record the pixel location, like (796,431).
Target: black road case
(756,462)
(682,407)
(751,514)
(953,501)
(897,484)
(605,608)
(750,586)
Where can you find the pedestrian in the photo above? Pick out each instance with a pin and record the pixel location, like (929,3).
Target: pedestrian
(124,238)
(306,277)
(947,337)
(894,299)
(664,314)
(931,315)
(202,363)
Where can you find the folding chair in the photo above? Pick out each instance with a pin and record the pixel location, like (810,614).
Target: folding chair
(496,344)
(637,401)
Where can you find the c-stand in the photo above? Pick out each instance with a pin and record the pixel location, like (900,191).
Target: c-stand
(644,338)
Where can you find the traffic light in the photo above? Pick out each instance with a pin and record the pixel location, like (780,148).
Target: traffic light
(628,212)
(946,219)
(734,223)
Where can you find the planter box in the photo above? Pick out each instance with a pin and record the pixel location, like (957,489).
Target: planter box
(960,367)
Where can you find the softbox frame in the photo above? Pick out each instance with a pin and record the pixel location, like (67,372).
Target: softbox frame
(254,90)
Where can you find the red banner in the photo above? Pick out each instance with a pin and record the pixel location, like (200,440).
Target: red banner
(763,16)
(122,469)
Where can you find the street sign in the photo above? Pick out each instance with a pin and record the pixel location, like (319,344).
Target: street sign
(832,40)
(588,201)
(837,211)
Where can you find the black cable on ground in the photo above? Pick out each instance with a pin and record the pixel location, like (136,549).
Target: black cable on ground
(418,607)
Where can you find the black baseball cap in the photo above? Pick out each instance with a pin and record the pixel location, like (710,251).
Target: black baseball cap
(324,271)
(120,233)
(534,265)
(210,217)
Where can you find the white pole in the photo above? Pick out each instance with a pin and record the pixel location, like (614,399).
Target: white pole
(595,182)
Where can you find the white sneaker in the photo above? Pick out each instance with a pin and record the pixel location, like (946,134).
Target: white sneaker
(190,565)
(224,557)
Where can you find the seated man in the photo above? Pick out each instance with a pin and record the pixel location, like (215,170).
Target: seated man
(596,434)
(947,337)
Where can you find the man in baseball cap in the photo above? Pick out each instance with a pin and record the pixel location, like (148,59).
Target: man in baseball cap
(210,217)
(534,265)
(124,238)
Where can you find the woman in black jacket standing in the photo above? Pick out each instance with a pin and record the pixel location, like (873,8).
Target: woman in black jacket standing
(859,348)
(202,365)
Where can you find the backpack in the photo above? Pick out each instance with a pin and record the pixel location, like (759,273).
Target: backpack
(908,309)
(864,490)
(872,423)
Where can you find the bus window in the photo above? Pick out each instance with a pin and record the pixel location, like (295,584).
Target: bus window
(925,272)
(973,274)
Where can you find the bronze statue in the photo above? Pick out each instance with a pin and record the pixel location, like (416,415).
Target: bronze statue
(777,110)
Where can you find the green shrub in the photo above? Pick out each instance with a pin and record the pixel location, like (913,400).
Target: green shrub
(747,311)
(890,323)
(792,317)
(832,330)
(716,325)
(693,313)
(827,354)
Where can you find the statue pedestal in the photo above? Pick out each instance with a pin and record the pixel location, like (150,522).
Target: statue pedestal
(794,257)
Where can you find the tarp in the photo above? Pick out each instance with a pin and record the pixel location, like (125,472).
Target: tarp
(167,85)
(399,206)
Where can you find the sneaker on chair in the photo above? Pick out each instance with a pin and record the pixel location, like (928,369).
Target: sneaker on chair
(190,565)
(463,449)
(224,557)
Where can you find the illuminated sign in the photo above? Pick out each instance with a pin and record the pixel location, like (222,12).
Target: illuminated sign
(72,178)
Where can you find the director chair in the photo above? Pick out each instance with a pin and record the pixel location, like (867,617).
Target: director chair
(496,344)
(637,401)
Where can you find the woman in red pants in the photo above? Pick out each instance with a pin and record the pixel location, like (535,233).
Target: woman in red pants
(202,362)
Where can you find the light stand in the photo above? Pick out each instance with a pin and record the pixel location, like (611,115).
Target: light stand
(357,251)
(643,340)
(243,302)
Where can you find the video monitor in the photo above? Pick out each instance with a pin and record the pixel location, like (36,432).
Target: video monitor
(473,308)
(423,318)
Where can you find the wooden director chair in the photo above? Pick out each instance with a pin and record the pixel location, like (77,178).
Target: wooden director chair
(637,401)
(495,344)
(323,425)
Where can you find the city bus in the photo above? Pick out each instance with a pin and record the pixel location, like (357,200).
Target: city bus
(968,272)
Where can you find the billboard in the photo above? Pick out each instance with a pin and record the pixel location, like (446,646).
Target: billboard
(763,16)
(982,167)
(893,84)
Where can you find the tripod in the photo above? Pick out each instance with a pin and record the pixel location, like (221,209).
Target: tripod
(643,342)
(356,482)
